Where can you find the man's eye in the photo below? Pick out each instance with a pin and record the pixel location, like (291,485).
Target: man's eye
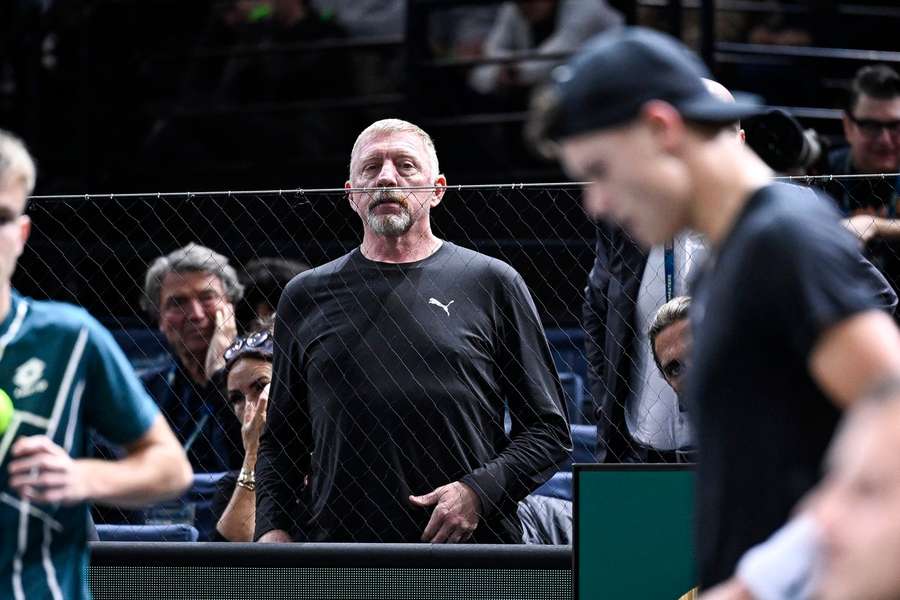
(6,220)
(674,369)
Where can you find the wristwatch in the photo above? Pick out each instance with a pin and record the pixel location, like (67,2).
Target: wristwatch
(247,479)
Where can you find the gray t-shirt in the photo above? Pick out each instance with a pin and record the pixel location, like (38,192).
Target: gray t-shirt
(652,412)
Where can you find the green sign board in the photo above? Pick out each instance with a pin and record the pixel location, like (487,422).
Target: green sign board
(633,531)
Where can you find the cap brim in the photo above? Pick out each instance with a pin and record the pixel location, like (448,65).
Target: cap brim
(711,109)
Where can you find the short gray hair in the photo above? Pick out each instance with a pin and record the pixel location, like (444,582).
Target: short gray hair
(671,312)
(16,164)
(192,258)
(387,126)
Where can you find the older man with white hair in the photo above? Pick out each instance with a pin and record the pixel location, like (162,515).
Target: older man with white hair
(393,368)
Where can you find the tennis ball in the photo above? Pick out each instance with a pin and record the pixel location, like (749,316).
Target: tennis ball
(6,411)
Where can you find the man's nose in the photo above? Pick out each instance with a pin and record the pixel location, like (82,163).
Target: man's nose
(194,310)
(387,177)
(596,200)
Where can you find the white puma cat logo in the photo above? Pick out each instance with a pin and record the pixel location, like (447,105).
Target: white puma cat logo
(446,307)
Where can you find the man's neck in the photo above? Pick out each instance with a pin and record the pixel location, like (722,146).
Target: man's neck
(5,300)
(194,367)
(409,247)
(727,175)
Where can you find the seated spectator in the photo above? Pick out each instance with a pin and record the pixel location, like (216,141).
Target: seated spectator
(191,293)
(845,541)
(248,372)
(545,26)
(670,342)
(872,128)
(264,279)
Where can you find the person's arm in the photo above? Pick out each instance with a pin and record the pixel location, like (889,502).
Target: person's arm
(238,520)
(580,20)
(154,469)
(856,355)
(780,568)
(499,43)
(870,227)
(830,303)
(540,438)
(284,448)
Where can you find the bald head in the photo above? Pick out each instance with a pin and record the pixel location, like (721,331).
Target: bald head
(718,90)
(721,92)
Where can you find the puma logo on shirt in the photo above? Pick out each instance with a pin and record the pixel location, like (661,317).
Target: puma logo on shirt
(446,307)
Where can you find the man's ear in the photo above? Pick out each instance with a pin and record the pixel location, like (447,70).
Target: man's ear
(440,187)
(847,123)
(665,124)
(348,186)
(24,230)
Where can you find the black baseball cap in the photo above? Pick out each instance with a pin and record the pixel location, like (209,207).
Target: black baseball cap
(618,71)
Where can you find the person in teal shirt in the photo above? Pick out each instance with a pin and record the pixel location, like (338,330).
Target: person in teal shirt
(65,375)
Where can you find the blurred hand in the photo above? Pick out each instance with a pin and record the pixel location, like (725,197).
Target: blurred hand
(733,589)
(864,227)
(455,514)
(42,472)
(254,421)
(226,331)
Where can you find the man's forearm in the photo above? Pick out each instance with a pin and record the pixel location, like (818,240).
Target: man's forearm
(275,536)
(153,471)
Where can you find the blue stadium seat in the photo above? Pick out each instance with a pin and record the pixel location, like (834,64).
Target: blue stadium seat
(573,388)
(559,486)
(567,349)
(201,494)
(147,533)
(584,442)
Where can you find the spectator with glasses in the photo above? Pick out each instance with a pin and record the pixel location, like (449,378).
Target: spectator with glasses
(872,129)
(247,374)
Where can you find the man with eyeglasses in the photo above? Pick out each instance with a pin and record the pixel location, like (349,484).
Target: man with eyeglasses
(872,129)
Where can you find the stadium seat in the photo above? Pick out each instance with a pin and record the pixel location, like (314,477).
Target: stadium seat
(584,442)
(567,349)
(559,486)
(147,533)
(573,388)
(201,494)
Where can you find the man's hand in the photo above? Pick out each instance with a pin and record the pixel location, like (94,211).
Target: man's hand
(254,421)
(223,336)
(733,589)
(43,472)
(275,536)
(865,227)
(455,515)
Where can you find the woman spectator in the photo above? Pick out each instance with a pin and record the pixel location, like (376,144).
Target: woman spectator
(247,374)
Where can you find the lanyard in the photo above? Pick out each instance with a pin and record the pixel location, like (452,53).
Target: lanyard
(669,262)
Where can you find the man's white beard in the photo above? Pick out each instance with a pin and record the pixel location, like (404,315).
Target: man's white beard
(391,225)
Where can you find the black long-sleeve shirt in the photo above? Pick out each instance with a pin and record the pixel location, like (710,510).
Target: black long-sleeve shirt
(391,380)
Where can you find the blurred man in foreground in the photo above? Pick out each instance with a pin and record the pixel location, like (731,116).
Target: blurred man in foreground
(786,313)
(845,543)
(66,375)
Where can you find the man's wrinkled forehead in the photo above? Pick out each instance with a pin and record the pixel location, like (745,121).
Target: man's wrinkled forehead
(382,143)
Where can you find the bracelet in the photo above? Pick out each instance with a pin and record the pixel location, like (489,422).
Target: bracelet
(247,480)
